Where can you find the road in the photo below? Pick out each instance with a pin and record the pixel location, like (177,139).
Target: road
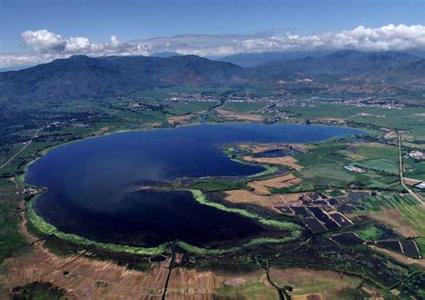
(20,150)
(401,172)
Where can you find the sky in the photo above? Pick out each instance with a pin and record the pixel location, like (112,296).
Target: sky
(33,31)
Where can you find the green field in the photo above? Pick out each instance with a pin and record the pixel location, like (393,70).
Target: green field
(411,212)
(371,233)
(244,107)
(11,242)
(380,165)
(389,201)
(249,290)
(414,169)
(409,119)
(189,107)
(323,166)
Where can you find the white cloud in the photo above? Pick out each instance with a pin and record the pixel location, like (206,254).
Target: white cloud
(43,40)
(77,44)
(389,37)
(47,45)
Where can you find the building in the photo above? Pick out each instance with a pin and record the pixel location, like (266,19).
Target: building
(420,186)
(418,155)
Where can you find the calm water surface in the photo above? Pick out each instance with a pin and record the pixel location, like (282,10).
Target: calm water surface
(89,182)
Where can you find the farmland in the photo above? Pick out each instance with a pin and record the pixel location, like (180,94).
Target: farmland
(311,190)
(410,211)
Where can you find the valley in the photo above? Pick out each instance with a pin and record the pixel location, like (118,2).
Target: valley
(330,205)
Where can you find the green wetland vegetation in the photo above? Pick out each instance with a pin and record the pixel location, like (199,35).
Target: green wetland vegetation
(43,228)
(323,169)
(288,229)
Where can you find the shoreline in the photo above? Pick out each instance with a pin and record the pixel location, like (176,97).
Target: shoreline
(43,227)
(123,131)
(46,228)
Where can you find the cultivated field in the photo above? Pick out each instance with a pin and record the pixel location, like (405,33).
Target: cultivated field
(269,202)
(230,115)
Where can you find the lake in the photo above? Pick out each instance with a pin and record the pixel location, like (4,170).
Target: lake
(91,182)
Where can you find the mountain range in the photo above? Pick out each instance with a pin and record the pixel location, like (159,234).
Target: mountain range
(83,77)
(341,62)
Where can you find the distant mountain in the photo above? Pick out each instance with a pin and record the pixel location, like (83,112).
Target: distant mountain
(15,68)
(255,59)
(338,63)
(81,77)
(84,78)
(165,54)
(420,53)
(413,70)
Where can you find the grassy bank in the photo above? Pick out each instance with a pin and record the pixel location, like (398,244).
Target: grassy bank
(291,227)
(251,243)
(45,228)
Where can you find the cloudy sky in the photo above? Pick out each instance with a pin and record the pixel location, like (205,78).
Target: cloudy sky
(37,31)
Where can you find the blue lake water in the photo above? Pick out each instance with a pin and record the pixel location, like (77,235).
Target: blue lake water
(89,182)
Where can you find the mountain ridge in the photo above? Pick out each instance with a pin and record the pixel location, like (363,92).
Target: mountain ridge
(81,77)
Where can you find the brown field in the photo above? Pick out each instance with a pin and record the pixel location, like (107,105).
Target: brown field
(376,145)
(80,276)
(390,134)
(287,161)
(262,186)
(314,284)
(102,130)
(180,120)
(330,120)
(248,197)
(192,284)
(353,153)
(399,257)
(230,115)
(313,296)
(411,181)
(392,218)
(84,277)
(186,284)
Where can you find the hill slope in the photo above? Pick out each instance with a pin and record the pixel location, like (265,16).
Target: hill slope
(342,62)
(83,77)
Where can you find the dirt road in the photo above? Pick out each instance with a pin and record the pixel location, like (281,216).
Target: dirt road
(20,150)
(401,172)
